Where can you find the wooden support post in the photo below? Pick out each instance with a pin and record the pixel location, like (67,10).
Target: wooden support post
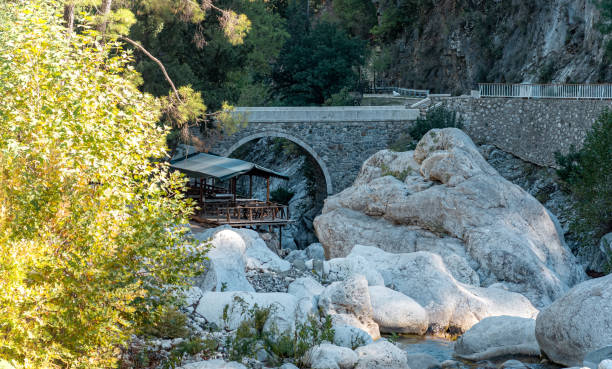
(201,190)
(268,189)
(250,186)
(233,184)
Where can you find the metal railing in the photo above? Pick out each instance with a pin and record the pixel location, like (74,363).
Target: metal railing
(546,91)
(405,92)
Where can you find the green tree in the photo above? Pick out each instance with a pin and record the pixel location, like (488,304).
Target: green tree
(357,17)
(605,25)
(399,15)
(588,174)
(92,237)
(313,67)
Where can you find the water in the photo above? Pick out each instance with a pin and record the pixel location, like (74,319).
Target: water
(442,349)
(439,348)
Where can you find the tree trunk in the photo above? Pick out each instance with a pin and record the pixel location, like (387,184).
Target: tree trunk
(69,16)
(104,14)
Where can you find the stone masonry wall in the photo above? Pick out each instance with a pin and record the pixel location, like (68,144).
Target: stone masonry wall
(532,129)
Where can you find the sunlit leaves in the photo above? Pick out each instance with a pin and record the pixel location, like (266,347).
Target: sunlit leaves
(235,26)
(90,235)
(121,21)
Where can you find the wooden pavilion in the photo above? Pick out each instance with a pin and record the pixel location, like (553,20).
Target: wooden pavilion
(212,183)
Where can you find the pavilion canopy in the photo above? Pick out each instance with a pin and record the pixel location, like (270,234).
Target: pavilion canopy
(200,165)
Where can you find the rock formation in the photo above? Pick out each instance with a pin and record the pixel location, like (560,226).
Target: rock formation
(444,199)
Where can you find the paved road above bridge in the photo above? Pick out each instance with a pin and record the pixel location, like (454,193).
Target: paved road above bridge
(340,139)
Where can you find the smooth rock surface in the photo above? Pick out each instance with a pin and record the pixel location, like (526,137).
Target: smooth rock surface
(395,312)
(258,255)
(577,323)
(348,302)
(305,287)
(315,251)
(226,262)
(498,336)
(340,269)
(381,354)
(349,336)
(328,356)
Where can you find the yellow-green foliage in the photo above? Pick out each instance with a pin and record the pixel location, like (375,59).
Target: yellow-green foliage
(90,237)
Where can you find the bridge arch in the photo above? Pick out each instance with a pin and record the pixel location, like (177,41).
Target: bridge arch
(302,144)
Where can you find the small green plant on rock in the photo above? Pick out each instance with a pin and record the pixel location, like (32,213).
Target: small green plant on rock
(386,171)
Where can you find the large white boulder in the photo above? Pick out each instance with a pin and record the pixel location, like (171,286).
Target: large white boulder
(449,192)
(498,336)
(605,364)
(306,288)
(340,269)
(315,251)
(258,255)
(577,323)
(452,306)
(328,356)
(381,354)
(226,262)
(232,252)
(349,336)
(348,303)
(229,309)
(213,364)
(397,313)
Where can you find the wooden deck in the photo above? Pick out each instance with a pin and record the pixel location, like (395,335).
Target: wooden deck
(242,213)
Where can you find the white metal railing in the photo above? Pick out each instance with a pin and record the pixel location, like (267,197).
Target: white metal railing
(407,92)
(546,91)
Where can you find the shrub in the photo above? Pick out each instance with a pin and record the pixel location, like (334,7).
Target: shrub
(344,98)
(281,196)
(167,322)
(206,348)
(439,117)
(90,238)
(587,174)
(251,336)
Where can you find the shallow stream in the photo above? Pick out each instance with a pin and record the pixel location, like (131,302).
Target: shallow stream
(442,349)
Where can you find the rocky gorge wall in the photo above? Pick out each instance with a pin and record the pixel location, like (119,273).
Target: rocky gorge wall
(531,129)
(453,44)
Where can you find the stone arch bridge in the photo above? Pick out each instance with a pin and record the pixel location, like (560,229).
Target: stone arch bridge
(339,139)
